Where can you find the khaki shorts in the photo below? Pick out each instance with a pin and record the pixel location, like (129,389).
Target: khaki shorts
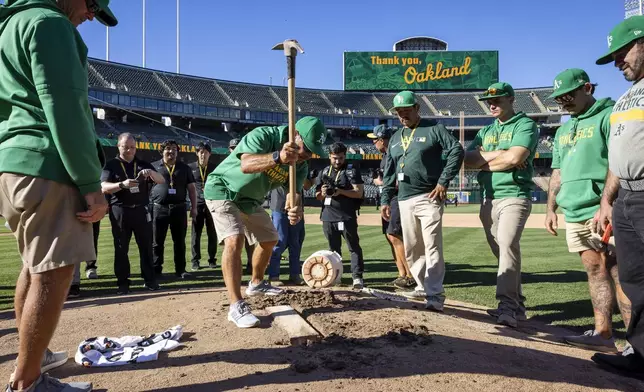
(229,220)
(42,216)
(580,237)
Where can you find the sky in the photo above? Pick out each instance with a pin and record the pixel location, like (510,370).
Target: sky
(232,40)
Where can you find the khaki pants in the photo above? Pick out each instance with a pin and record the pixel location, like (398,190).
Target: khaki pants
(503,221)
(42,216)
(422,230)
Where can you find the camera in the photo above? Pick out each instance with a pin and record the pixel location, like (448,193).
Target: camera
(330,190)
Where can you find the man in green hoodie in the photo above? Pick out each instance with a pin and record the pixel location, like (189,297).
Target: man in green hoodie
(579,167)
(50,168)
(504,151)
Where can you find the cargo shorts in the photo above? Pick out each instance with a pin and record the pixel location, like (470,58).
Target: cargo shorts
(229,220)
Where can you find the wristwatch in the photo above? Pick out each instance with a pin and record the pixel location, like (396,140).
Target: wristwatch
(276,158)
(121,185)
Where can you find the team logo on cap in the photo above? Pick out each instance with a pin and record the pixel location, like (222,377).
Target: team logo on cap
(322,138)
(558,84)
(610,40)
(399,99)
(637,32)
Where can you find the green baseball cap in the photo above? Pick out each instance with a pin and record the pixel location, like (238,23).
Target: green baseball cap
(500,89)
(105,14)
(569,80)
(313,133)
(621,35)
(404,99)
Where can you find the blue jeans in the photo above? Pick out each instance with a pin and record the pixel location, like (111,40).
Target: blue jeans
(289,237)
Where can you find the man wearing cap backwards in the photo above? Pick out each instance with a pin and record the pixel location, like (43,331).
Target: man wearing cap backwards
(50,168)
(579,167)
(622,202)
(414,163)
(392,229)
(235,191)
(503,151)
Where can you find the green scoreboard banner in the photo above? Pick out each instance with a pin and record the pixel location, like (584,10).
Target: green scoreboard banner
(429,70)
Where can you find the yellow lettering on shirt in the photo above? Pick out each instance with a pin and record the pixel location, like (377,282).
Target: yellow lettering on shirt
(277,174)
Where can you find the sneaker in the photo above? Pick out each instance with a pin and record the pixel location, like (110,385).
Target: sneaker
(415,294)
(185,275)
(592,340)
(52,360)
(212,264)
(74,291)
(496,313)
(275,282)
(434,303)
(91,273)
(46,383)
(195,266)
(263,288)
(628,350)
(240,314)
(400,282)
(358,284)
(151,286)
(507,319)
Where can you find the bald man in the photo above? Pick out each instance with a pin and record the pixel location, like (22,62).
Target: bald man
(126,182)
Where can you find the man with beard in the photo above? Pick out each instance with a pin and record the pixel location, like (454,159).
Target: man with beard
(414,163)
(169,206)
(579,167)
(392,229)
(503,151)
(622,202)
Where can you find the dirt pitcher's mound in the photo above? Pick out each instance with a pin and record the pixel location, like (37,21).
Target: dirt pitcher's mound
(369,344)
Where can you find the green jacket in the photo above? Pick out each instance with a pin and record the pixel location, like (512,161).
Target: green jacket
(46,124)
(248,190)
(580,151)
(518,131)
(423,166)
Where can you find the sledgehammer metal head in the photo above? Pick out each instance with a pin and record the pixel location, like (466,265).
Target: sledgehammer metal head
(290,47)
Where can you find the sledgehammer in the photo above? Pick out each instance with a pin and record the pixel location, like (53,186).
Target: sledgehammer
(290,47)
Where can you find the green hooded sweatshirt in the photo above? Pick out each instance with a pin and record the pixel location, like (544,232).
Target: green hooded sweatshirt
(46,124)
(580,151)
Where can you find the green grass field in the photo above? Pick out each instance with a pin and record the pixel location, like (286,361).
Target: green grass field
(449,209)
(554,280)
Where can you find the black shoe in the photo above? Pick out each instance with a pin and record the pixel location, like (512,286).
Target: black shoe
(195,266)
(123,290)
(74,291)
(212,264)
(185,275)
(631,365)
(152,286)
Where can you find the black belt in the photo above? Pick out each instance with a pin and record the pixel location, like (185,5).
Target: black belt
(635,185)
(170,204)
(131,206)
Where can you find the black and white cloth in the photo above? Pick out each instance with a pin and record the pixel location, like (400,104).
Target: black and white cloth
(105,351)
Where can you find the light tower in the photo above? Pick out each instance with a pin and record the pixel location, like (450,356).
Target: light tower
(633,7)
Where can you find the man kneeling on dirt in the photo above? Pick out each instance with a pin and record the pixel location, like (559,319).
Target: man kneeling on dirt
(235,191)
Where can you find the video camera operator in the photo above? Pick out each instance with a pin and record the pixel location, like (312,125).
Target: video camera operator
(341,189)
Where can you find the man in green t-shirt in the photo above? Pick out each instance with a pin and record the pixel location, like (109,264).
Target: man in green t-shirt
(234,194)
(503,151)
(579,168)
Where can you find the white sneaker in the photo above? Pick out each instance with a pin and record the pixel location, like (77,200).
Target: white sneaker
(263,288)
(416,294)
(358,284)
(240,314)
(91,273)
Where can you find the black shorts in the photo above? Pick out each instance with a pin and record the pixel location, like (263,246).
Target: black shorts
(394,226)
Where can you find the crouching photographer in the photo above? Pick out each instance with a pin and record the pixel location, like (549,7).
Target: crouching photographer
(340,188)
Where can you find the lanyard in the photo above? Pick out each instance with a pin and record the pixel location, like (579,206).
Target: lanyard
(405,143)
(203,174)
(336,176)
(125,171)
(171,172)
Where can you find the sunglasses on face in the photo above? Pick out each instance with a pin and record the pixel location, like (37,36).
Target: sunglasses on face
(566,98)
(92,6)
